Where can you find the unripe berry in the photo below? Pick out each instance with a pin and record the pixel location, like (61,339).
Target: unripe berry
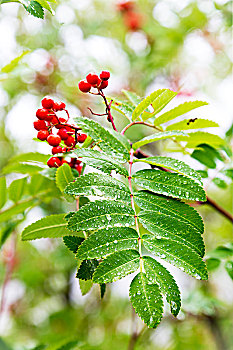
(92,79)
(56,150)
(54,140)
(41,113)
(103,85)
(40,125)
(63,134)
(81,138)
(84,86)
(104,75)
(42,135)
(54,162)
(59,106)
(47,102)
(70,141)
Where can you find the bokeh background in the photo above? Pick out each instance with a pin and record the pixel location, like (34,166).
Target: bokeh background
(183,45)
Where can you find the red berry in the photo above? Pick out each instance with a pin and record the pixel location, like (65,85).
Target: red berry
(125,5)
(54,140)
(41,113)
(54,162)
(104,75)
(47,102)
(42,135)
(133,20)
(93,79)
(61,120)
(40,125)
(81,138)
(70,141)
(59,106)
(70,130)
(63,134)
(64,162)
(49,117)
(64,150)
(103,85)
(54,120)
(56,150)
(84,86)
(78,167)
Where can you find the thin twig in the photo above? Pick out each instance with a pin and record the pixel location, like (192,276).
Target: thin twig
(108,109)
(135,123)
(100,115)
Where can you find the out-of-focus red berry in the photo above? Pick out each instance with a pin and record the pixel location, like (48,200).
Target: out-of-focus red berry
(40,125)
(84,86)
(54,140)
(47,102)
(104,75)
(125,5)
(42,135)
(81,138)
(133,20)
(54,162)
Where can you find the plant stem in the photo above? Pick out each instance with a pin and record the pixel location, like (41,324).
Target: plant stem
(133,206)
(136,123)
(108,109)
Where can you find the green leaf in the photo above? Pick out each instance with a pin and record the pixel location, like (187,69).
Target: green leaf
(171,207)
(132,97)
(22,168)
(146,299)
(52,226)
(16,189)
(169,184)
(85,286)
(34,8)
(108,241)
(87,269)
(117,266)
(122,138)
(222,252)
(159,99)
(124,108)
(173,164)
(206,155)
(3,191)
(159,103)
(157,273)
(64,176)
(101,214)
(177,111)
(161,223)
(178,255)
(158,136)
(7,214)
(99,185)
(195,138)
(14,63)
(72,242)
(101,161)
(106,141)
(219,182)
(212,264)
(228,173)
(30,157)
(45,4)
(229,268)
(196,123)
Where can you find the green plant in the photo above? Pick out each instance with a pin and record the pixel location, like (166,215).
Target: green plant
(128,217)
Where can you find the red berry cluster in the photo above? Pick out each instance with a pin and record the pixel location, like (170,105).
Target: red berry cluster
(67,135)
(132,18)
(93,80)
